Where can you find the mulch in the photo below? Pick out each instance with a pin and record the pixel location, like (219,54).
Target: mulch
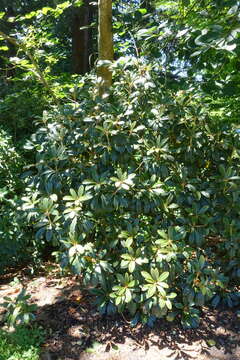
(76,331)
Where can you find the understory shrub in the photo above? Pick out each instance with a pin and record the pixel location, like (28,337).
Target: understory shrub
(13,234)
(141,194)
(10,163)
(21,102)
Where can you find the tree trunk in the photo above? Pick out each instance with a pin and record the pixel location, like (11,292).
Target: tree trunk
(105,42)
(82,38)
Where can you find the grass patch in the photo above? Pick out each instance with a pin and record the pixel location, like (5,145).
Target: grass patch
(22,344)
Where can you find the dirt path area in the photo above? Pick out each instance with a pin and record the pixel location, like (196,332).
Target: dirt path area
(77,332)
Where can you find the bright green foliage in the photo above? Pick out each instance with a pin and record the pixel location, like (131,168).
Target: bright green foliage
(201,39)
(141,193)
(22,344)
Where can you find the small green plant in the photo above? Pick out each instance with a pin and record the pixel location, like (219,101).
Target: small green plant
(23,343)
(19,311)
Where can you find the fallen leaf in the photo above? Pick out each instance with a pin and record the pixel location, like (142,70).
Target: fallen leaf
(211,342)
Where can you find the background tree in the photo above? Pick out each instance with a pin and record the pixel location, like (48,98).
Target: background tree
(105,41)
(82,37)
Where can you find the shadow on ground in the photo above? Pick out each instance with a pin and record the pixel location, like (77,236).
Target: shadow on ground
(78,332)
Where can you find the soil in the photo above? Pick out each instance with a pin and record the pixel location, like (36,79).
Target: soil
(76,331)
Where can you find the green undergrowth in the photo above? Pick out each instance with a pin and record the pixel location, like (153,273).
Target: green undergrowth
(14,237)
(22,344)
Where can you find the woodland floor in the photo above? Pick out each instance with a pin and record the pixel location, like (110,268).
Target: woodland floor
(75,330)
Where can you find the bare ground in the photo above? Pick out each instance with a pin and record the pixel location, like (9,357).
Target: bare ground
(76,331)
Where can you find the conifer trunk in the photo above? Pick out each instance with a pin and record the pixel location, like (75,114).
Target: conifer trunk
(82,38)
(105,41)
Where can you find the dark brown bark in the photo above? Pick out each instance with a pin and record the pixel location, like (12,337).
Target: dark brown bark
(82,38)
